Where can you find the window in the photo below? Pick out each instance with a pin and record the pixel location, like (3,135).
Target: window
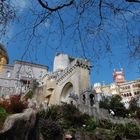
(91,99)
(8,74)
(84,99)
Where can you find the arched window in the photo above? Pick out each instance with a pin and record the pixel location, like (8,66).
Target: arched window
(91,96)
(67,93)
(84,98)
(8,74)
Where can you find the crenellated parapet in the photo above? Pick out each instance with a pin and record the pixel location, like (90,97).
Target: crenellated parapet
(83,64)
(52,75)
(61,74)
(72,67)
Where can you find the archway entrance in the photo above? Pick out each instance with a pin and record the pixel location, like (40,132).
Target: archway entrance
(66,92)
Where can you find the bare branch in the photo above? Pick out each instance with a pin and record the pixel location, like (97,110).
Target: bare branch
(133,1)
(7,13)
(100,13)
(45,5)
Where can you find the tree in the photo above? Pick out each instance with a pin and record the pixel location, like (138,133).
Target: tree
(118,107)
(134,104)
(7,14)
(115,104)
(89,23)
(105,103)
(134,107)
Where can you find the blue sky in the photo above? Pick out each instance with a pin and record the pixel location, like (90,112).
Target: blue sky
(42,51)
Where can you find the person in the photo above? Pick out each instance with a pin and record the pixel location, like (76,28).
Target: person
(111,112)
(68,137)
(73,137)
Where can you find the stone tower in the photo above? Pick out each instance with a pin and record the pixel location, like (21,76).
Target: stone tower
(3,57)
(118,76)
(70,75)
(61,61)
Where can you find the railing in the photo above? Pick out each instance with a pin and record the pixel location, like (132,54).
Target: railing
(7,91)
(88,89)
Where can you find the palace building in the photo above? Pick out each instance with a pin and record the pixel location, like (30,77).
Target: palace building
(127,89)
(19,77)
(69,82)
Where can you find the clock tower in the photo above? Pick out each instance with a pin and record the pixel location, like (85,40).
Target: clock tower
(118,76)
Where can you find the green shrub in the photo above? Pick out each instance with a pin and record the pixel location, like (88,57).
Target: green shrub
(72,117)
(107,124)
(118,130)
(134,105)
(72,130)
(91,125)
(29,94)
(50,129)
(49,123)
(138,113)
(61,118)
(53,113)
(85,117)
(132,131)
(134,108)
(13,104)
(114,103)
(6,105)
(3,116)
(105,103)
(16,105)
(129,130)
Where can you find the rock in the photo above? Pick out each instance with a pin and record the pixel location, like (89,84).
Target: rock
(21,126)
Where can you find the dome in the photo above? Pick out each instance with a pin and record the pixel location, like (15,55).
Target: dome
(3,53)
(3,57)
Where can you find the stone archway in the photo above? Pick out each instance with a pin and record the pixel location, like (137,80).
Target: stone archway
(66,92)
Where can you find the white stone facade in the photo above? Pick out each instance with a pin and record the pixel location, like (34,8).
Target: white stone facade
(68,81)
(20,77)
(127,89)
(64,84)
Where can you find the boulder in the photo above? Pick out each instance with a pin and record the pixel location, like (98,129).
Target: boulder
(21,126)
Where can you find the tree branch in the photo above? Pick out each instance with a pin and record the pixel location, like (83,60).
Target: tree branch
(100,13)
(133,1)
(45,5)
